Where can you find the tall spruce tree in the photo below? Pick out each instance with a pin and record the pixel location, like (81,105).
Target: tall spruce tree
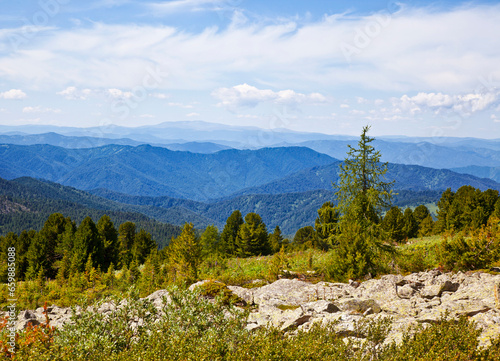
(362,194)
(230,233)
(361,180)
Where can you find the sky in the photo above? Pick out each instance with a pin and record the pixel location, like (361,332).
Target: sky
(414,68)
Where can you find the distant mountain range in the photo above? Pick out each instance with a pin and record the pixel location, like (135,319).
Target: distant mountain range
(202,137)
(153,171)
(193,172)
(25,203)
(76,142)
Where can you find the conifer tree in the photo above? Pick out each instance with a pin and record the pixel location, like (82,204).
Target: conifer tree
(410,224)
(185,254)
(210,242)
(143,246)
(444,205)
(87,243)
(326,225)
(393,224)
(426,227)
(126,241)
(109,238)
(362,195)
(252,237)
(230,233)
(276,240)
(362,173)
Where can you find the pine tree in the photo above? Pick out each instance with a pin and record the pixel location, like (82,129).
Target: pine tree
(143,246)
(410,224)
(87,243)
(426,227)
(252,237)
(326,225)
(126,241)
(443,213)
(185,254)
(362,195)
(109,238)
(230,233)
(305,237)
(276,240)
(393,223)
(210,241)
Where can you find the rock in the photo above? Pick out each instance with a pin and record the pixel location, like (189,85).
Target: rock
(359,306)
(406,291)
(321,306)
(244,293)
(286,291)
(159,298)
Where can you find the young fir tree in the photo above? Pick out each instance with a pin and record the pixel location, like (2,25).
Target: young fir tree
(276,240)
(326,225)
(185,254)
(362,194)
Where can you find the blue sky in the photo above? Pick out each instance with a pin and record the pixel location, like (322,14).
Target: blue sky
(416,68)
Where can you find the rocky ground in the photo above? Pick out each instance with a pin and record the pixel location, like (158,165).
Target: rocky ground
(408,300)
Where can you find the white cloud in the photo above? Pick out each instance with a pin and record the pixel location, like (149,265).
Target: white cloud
(344,106)
(438,103)
(175,6)
(192,115)
(180,105)
(494,118)
(420,50)
(13,94)
(119,94)
(73,93)
(248,116)
(147,116)
(159,95)
(39,109)
(245,95)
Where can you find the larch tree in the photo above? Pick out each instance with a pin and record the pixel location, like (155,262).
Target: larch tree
(361,181)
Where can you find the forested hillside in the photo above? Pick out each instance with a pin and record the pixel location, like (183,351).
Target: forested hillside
(153,171)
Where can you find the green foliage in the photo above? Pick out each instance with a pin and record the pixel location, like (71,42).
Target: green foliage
(224,295)
(252,237)
(185,254)
(394,224)
(410,227)
(276,240)
(230,232)
(467,209)
(326,225)
(355,254)
(478,251)
(304,238)
(363,173)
